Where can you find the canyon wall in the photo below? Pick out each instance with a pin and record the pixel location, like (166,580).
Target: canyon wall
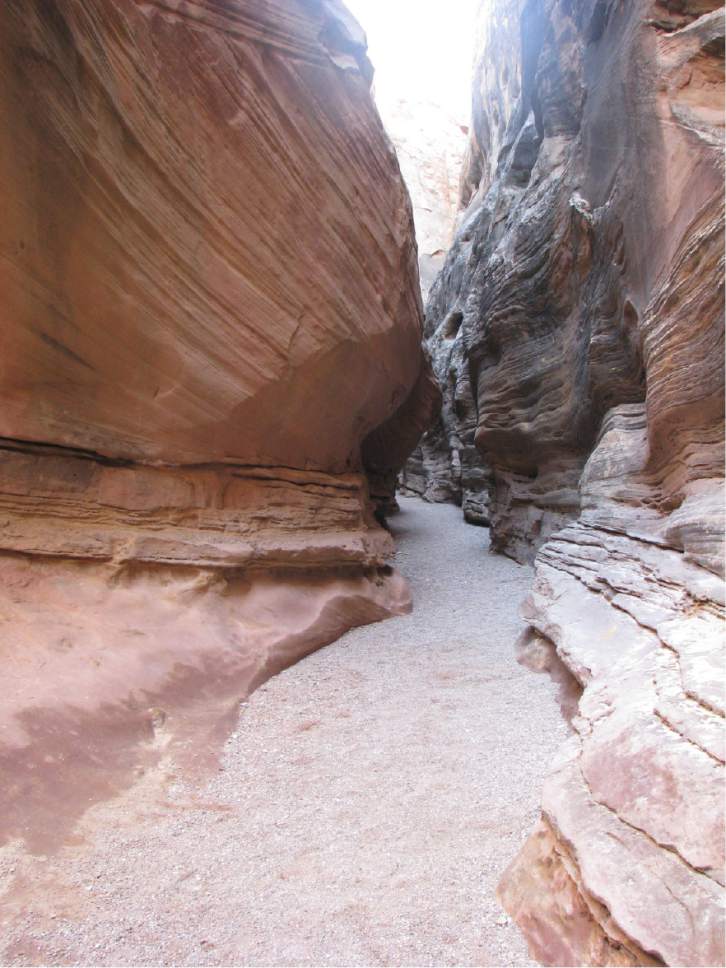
(577,331)
(421,90)
(211,310)
(430,143)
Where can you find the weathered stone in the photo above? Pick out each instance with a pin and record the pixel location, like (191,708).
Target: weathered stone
(585,286)
(430,143)
(210,301)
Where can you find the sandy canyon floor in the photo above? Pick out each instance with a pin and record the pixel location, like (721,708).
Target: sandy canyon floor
(363,810)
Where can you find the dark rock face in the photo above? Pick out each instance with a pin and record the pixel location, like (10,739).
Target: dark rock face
(446,466)
(577,331)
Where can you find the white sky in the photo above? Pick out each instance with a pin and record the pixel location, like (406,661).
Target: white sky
(420,49)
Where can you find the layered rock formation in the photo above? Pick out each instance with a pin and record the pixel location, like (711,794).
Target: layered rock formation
(578,323)
(210,306)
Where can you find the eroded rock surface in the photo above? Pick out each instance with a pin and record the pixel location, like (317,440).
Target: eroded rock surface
(430,142)
(422,91)
(210,301)
(577,329)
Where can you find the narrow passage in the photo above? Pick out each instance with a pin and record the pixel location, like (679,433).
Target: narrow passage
(364,810)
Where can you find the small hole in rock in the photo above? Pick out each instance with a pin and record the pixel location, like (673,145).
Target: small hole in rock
(452,325)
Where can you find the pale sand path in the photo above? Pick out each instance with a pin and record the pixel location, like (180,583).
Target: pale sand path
(366,807)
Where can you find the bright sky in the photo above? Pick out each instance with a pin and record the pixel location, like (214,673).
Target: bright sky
(420,49)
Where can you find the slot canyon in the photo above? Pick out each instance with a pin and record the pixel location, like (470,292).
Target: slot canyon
(362,483)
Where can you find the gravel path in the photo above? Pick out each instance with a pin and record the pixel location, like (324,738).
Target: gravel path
(363,813)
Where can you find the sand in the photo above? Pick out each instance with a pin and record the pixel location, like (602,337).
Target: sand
(363,811)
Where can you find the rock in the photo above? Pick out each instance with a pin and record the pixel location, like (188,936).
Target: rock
(446,465)
(430,143)
(423,100)
(201,253)
(577,331)
(210,305)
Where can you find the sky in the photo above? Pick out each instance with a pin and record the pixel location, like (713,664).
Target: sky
(420,49)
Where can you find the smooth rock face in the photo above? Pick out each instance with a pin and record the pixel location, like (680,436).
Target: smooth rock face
(578,328)
(210,304)
(188,262)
